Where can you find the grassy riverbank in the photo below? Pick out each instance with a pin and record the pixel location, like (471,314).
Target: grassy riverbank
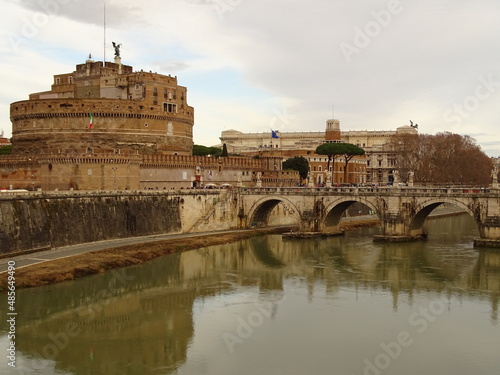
(90,263)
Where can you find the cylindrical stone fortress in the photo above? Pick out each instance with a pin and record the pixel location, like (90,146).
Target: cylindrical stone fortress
(105,108)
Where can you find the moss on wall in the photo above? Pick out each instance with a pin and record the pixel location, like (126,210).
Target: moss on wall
(33,223)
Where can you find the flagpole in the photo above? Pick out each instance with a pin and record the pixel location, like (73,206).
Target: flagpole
(104,9)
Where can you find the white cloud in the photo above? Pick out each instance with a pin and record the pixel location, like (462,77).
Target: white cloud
(421,60)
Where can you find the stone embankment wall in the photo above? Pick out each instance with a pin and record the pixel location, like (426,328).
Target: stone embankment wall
(41,221)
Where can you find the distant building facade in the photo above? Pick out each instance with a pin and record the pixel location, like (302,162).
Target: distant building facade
(4,141)
(378,166)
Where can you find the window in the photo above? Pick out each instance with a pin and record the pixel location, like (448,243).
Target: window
(170,107)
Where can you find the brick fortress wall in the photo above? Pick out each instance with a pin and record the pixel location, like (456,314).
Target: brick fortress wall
(133,172)
(61,126)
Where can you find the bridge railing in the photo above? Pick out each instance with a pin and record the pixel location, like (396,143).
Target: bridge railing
(23,194)
(371,190)
(337,190)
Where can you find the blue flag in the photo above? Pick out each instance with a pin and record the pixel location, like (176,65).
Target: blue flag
(273,134)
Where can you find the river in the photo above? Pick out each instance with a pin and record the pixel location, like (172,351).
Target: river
(268,306)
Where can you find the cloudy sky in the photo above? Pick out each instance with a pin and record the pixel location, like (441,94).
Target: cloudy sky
(287,65)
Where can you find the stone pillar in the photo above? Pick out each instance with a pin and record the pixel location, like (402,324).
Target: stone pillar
(396,229)
(118,61)
(490,233)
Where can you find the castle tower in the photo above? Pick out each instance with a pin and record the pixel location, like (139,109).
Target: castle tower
(332,134)
(105,108)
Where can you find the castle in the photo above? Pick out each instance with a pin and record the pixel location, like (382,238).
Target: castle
(106,127)
(105,108)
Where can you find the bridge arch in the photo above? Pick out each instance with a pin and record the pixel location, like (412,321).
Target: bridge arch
(260,211)
(335,209)
(427,206)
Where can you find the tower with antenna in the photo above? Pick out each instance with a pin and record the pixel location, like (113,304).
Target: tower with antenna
(332,133)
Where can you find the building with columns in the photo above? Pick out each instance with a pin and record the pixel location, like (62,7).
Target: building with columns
(378,165)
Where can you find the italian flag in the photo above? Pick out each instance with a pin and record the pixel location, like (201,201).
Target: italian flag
(91,120)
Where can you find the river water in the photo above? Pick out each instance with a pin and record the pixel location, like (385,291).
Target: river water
(268,306)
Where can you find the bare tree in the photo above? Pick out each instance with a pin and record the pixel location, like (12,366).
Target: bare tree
(444,158)
(406,149)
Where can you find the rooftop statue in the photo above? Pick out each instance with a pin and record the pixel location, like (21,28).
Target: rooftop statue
(117,49)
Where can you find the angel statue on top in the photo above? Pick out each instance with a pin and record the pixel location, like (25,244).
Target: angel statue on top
(117,49)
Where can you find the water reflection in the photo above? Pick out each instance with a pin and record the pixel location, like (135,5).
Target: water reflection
(141,320)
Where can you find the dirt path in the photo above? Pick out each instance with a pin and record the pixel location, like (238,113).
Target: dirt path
(78,261)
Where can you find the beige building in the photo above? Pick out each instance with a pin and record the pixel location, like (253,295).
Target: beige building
(380,161)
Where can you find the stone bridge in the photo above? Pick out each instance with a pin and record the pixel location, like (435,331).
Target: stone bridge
(43,220)
(401,210)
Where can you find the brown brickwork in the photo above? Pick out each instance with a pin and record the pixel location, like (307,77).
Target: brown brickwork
(141,137)
(141,112)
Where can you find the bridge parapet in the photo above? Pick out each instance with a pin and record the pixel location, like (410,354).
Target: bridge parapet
(383,191)
(401,210)
(18,194)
